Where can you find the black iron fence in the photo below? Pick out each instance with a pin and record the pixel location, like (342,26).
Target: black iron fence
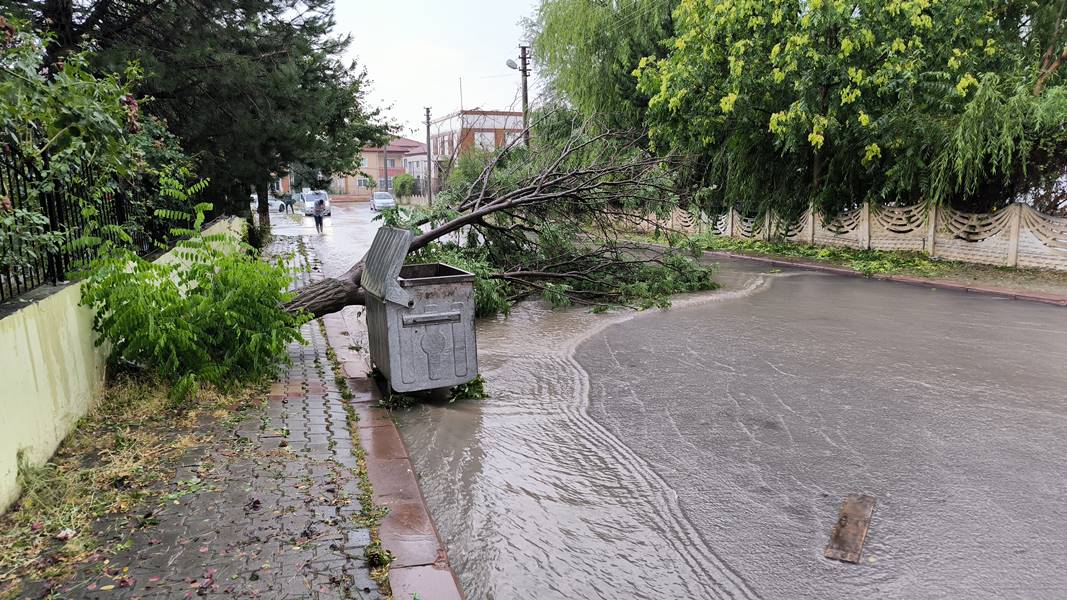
(44,225)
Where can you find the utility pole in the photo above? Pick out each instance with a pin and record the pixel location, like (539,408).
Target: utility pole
(429,160)
(524,68)
(385,165)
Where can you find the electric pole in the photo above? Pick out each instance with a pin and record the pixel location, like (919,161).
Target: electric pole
(429,160)
(524,68)
(385,164)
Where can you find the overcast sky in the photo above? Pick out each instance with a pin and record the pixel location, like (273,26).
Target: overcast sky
(416,51)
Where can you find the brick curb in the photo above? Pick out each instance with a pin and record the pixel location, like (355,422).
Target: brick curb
(420,565)
(916,281)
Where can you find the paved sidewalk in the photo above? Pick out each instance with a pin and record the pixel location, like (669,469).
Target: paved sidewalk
(268,510)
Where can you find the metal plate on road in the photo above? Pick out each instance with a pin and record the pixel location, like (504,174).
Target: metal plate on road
(846,540)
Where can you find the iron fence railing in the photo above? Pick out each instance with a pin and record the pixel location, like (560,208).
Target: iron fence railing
(40,223)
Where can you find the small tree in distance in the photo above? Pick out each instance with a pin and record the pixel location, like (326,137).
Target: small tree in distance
(404,185)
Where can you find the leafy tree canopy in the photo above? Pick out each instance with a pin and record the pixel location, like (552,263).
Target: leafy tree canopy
(249,86)
(781,102)
(588,51)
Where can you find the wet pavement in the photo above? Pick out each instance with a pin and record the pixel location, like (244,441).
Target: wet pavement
(346,237)
(703,452)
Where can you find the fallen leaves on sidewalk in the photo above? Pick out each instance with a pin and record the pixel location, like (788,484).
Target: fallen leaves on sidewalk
(118,457)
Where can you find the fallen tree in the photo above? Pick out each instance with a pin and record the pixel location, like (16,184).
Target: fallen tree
(543,220)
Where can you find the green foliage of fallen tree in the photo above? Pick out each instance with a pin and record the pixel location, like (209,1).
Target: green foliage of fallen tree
(543,221)
(212,313)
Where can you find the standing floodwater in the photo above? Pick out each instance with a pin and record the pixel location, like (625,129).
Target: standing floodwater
(536,500)
(703,452)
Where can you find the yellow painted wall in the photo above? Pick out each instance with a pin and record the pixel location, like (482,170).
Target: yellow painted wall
(52,375)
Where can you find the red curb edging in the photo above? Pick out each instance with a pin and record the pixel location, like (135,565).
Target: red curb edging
(421,564)
(916,281)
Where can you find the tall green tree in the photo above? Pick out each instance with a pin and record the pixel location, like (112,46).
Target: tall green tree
(783,102)
(588,50)
(250,86)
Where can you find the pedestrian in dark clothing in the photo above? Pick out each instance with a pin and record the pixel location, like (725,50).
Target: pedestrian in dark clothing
(319,214)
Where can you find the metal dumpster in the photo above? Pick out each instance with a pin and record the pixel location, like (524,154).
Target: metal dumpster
(420,318)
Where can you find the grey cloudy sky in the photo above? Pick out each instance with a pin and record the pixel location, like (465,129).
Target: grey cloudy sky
(416,51)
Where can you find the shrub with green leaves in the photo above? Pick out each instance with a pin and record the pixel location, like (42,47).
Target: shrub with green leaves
(211,312)
(404,185)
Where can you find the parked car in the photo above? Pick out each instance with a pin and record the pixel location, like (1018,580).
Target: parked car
(380,200)
(310,198)
(276,204)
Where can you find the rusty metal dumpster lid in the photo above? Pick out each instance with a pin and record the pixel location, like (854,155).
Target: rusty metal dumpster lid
(383,264)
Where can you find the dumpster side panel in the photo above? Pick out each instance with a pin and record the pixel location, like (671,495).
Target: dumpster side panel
(436,346)
(377,334)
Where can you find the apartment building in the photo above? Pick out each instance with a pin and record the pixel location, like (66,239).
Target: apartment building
(378,168)
(459,132)
(415,165)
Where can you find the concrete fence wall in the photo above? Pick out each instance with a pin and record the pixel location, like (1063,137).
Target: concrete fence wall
(1017,236)
(53,375)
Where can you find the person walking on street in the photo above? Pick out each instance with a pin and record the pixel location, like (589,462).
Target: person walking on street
(287,205)
(319,214)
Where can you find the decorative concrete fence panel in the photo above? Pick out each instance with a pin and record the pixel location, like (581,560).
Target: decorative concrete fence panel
(1017,235)
(845,229)
(750,226)
(899,227)
(799,228)
(1042,240)
(974,237)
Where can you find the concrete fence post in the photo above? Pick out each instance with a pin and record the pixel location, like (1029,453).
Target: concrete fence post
(865,226)
(730,222)
(931,233)
(1013,238)
(811,225)
(767,225)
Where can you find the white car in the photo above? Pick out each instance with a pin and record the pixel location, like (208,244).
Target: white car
(311,198)
(276,204)
(380,200)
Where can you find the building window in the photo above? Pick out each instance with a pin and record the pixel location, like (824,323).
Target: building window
(485,140)
(390,163)
(363,161)
(362,182)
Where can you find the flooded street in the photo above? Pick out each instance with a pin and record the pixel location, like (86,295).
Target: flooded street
(703,452)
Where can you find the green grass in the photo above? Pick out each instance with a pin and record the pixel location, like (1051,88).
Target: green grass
(875,262)
(868,262)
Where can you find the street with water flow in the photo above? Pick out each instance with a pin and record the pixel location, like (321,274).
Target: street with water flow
(703,451)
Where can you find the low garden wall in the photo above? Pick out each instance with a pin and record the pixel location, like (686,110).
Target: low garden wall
(53,374)
(1016,236)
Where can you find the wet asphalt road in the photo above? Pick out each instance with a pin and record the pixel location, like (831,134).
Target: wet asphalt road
(703,452)
(763,413)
